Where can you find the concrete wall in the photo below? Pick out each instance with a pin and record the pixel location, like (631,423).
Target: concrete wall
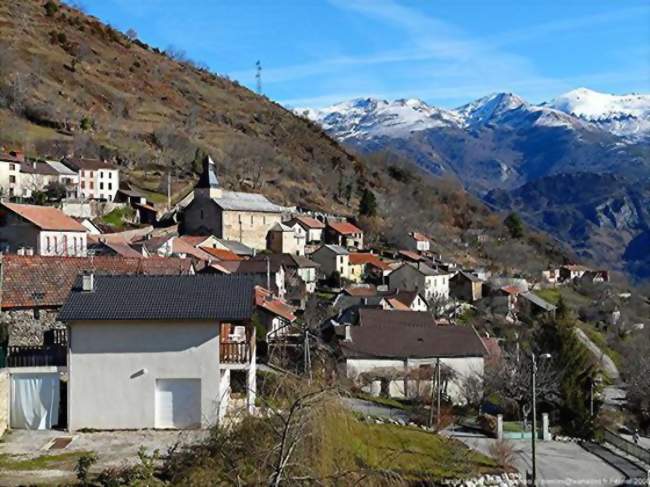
(113,368)
(4,400)
(462,367)
(62,243)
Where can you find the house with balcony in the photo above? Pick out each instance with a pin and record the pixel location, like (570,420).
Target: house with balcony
(160,350)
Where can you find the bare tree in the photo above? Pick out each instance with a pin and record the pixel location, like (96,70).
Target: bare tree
(131,34)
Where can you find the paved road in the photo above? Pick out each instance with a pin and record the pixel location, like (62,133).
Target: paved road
(557,463)
(373,409)
(631,470)
(644,441)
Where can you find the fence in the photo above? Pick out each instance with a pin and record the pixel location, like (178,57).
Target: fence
(627,446)
(52,352)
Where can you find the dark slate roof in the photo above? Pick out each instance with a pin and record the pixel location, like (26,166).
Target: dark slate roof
(408,334)
(208,177)
(202,297)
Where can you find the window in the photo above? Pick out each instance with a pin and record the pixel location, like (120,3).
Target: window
(202,214)
(74,245)
(48,244)
(12,179)
(101,185)
(110,175)
(110,186)
(91,185)
(101,175)
(90,173)
(83,185)
(264,219)
(65,245)
(12,167)
(251,220)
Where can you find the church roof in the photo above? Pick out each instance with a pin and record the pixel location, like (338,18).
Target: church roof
(234,200)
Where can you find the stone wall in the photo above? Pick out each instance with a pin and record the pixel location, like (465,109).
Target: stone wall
(4,400)
(26,327)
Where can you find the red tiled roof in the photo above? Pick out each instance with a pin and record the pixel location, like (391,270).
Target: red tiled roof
(39,281)
(118,244)
(13,156)
(46,217)
(265,300)
(193,240)
(362,258)
(310,222)
(411,255)
(420,237)
(179,246)
(344,228)
(222,254)
(511,289)
(361,291)
(397,304)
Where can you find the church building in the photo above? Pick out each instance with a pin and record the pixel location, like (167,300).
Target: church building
(230,215)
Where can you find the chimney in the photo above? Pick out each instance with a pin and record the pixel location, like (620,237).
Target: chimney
(348,334)
(88,283)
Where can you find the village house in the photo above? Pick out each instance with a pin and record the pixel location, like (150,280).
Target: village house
(344,234)
(42,230)
(274,314)
(284,239)
(570,272)
(532,305)
(303,267)
(109,244)
(395,353)
(364,265)
(229,215)
(98,180)
(166,346)
(410,256)
(268,273)
(35,287)
(417,242)
(10,177)
(431,283)
(332,258)
(37,176)
(403,300)
(144,212)
(466,287)
(313,227)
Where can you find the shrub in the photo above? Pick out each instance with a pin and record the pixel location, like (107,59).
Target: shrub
(515,226)
(86,123)
(503,453)
(82,468)
(51,8)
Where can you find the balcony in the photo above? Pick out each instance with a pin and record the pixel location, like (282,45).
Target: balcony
(235,346)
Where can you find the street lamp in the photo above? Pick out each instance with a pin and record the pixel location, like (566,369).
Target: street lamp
(534,435)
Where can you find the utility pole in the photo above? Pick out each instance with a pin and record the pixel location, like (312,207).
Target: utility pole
(534,463)
(258,76)
(169,190)
(268,274)
(439,392)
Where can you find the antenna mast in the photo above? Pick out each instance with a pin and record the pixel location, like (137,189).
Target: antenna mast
(258,77)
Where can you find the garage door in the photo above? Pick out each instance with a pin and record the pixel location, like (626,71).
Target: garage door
(178,403)
(34,401)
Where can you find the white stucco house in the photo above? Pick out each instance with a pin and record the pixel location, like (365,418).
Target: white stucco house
(157,351)
(418,242)
(394,353)
(98,180)
(40,230)
(430,282)
(312,227)
(283,239)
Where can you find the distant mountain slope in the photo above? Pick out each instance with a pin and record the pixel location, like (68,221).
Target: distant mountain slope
(603,215)
(503,142)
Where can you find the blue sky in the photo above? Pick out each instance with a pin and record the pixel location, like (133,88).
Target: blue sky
(446,52)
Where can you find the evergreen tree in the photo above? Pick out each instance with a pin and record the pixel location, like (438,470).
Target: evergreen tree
(368,204)
(515,225)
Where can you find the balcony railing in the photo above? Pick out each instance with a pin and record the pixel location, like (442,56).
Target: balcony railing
(235,352)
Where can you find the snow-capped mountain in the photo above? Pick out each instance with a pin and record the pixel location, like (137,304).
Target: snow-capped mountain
(627,116)
(371,117)
(624,115)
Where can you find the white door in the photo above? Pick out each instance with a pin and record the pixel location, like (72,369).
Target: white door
(178,403)
(34,401)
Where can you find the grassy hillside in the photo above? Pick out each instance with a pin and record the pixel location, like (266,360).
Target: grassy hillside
(72,85)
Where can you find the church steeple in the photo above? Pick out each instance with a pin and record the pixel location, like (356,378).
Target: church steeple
(208,183)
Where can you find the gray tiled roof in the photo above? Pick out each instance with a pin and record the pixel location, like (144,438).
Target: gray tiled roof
(534,298)
(234,200)
(202,297)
